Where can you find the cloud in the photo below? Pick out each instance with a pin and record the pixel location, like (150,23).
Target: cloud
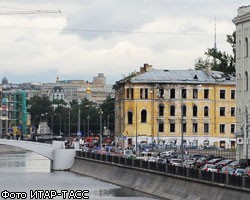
(129,33)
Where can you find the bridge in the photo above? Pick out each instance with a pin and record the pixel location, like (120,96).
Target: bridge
(61,158)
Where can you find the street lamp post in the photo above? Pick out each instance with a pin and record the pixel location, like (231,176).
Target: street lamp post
(79,121)
(60,125)
(182,137)
(52,125)
(69,124)
(88,118)
(101,112)
(136,132)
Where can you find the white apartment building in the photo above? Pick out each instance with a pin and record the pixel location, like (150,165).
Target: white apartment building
(242,22)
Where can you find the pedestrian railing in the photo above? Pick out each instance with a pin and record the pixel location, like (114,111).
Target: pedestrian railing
(231,180)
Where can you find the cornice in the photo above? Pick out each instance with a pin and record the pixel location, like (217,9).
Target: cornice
(241,19)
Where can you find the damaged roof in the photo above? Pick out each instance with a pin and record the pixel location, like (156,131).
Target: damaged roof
(183,76)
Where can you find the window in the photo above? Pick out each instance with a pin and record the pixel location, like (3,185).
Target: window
(172,127)
(232,94)
(206,94)
(127,91)
(172,110)
(222,94)
(172,93)
(184,127)
(195,111)
(143,116)
(161,110)
(246,47)
(222,111)
(206,111)
(130,93)
(239,54)
(232,128)
(144,93)
(184,110)
(161,93)
(222,128)
(184,93)
(141,93)
(246,81)
(195,127)
(161,126)
(130,118)
(206,127)
(232,111)
(195,93)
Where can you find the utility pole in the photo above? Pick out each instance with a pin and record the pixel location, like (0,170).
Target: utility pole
(100,112)
(69,123)
(246,134)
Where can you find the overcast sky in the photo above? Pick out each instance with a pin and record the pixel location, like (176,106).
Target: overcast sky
(114,37)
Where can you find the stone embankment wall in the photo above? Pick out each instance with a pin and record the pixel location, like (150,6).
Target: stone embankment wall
(156,183)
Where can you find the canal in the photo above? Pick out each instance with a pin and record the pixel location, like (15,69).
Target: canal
(29,173)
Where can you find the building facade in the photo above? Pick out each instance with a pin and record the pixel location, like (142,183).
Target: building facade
(242,22)
(97,90)
(161,106)
(14,119)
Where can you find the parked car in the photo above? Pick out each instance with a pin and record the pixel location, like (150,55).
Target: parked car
(239,172)
(209,168)
(167,154)
(214,161)
(196,156)
(200,162)
(162,161)
(247,171)
(227,170)
(203,160)
(176,162)
(243,163)
(223,163)
(189,163)
(152,159)
(234,164)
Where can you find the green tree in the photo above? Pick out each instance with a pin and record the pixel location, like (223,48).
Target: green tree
(220,61)
(39,108)
(108,108)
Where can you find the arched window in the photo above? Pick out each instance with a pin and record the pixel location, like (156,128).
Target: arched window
(246,47)
(143,116)
(161,110)
(195,111)
(206,111)
(184,110)
(161,126)
(130,118)
(239,54)
(246,81)
(172,110)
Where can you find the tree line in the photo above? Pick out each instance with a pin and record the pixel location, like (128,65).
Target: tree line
(62,118)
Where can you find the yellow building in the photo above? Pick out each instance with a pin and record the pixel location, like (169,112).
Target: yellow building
(162,106)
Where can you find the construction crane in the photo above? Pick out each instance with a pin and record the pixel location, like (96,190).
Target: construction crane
(29,12)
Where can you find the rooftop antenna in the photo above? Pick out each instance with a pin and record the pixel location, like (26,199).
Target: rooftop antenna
(215,45)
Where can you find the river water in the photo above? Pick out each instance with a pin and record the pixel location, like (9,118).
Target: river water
(29,174)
